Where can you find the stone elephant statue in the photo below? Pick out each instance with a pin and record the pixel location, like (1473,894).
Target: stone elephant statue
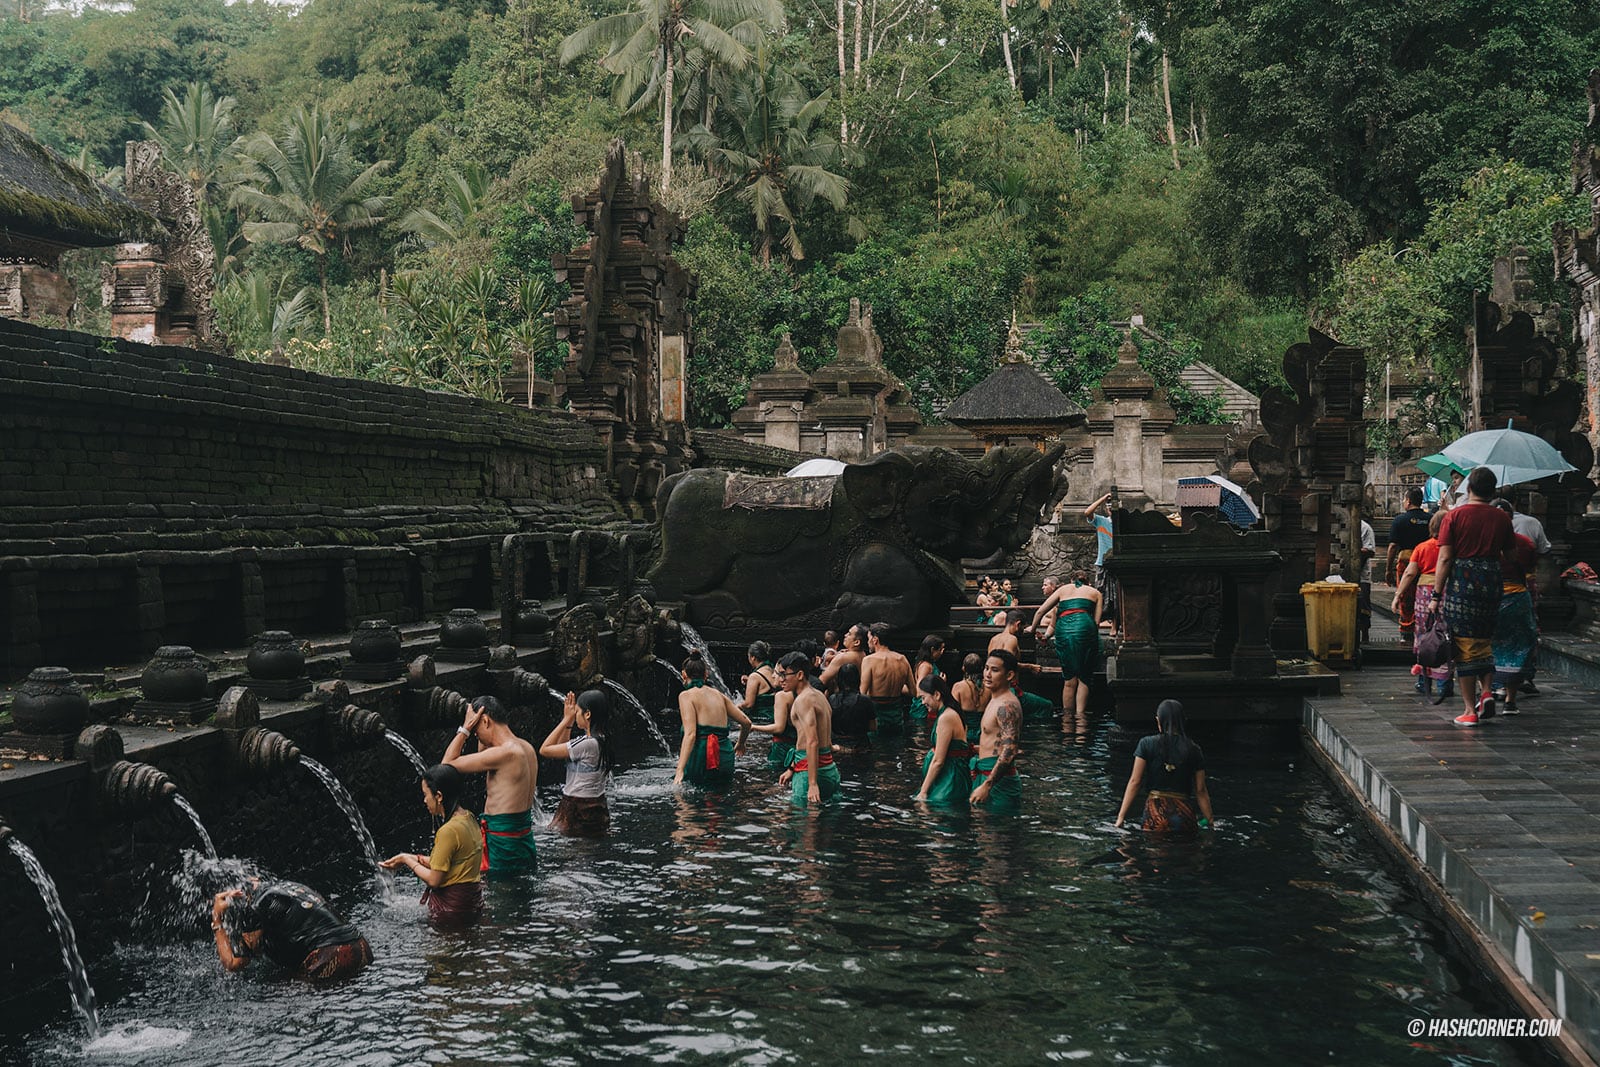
(880,542)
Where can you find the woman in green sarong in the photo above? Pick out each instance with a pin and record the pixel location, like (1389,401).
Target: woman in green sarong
(967,695)
(925,666)
(946,771)
(1078,605)
(760,685)
(705,758)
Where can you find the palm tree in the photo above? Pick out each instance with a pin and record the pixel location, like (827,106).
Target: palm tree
(196,134)
(308,188)
(464,197)
(766,148)
(643,46)
(270,308)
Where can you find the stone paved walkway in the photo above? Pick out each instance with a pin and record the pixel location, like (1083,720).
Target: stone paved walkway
(1505,818)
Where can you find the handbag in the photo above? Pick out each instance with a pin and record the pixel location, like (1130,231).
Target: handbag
(1434,647)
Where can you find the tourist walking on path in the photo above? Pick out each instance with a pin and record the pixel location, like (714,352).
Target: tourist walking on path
(946,769)
(706,757)
(1173,769)
(886,678)
(582,811)
(290,924)
(812,776)
(1417,582)
(761,684)
(994,770)
(1533,530)
(1516,631)
(1098,515)
(1472,539)
(511,771)
(453,872)
(1409,529)
(1077,608)
(926,665)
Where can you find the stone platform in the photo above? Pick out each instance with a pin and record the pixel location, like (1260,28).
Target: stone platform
(1499,824)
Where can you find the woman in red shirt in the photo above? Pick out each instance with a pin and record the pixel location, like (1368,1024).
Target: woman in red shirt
(1419,572)
(1472,541)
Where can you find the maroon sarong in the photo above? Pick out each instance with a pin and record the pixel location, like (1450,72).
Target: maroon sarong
(582,817)
(337,961)
(454,906)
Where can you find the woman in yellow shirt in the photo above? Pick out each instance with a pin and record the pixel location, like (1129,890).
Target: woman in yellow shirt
(453,872)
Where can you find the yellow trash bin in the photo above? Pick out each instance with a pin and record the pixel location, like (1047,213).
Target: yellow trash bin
(1331,620)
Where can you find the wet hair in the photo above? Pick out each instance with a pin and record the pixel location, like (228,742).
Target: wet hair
(971,666)
(695,666)
(930,645)
(598,705)
(1414,496)
(798,660)
(1175,744)
(810,650)
(1482,483)
(1435,523)
(1080,577)
(848,678)
(491,707)
(929,684)
(880,630)
(1015,619)
(759,651)
(448,783)
(1503,504)
(1005,657)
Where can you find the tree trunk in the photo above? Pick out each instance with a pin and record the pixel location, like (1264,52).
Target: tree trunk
(1127,86)
(327,314)
(1105,99)
(856,68)
(1166,96)
(844,120)
(1005,46)
(1052,68)
(666,124)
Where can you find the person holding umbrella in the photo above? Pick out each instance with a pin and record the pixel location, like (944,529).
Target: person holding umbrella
(1473,539)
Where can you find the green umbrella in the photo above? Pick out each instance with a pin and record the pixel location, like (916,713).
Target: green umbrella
(1440,466)
(1514,456)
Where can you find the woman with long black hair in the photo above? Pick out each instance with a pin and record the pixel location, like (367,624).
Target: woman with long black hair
(452,872)
(1174,769)
(590,758)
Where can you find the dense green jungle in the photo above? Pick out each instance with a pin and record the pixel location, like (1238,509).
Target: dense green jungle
(386,180)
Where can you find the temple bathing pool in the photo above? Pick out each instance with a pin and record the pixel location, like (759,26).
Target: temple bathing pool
(731,930)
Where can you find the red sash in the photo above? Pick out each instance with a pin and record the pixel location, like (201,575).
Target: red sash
(801,765)
(713,752)
(483,827)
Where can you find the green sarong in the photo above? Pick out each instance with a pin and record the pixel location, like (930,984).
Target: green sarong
(1035,707)
(1077,639)
(918,714)
(827,777)
(954,783)
(974,721)
(1005,796)
(781,752)
(761,711)
(710,763)
(891,715)
(508,845)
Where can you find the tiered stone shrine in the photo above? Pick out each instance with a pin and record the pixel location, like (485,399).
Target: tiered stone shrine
(1015,405)
(627,328)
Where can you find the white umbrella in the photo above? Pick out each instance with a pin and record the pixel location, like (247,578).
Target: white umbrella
(819,467)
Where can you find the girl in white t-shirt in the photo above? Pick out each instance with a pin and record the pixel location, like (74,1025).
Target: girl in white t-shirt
(582,811)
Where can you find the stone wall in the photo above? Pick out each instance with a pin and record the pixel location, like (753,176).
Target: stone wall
(151,495)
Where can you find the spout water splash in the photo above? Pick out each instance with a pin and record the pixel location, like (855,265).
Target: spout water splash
(695,643)
(408,750)
(632,702)
(183,805)
(347,804)
(77,975)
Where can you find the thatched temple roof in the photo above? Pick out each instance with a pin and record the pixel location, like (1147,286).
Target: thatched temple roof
(1015,394)
(46,199)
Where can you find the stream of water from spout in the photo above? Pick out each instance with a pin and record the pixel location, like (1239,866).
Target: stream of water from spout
(184,806)
(639,710)
(77,975)
(408,750)
(347,804)
(695,643)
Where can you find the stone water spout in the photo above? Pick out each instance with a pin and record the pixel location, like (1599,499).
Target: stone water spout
(255,750)
(353,725)
(126,787)
(511,683)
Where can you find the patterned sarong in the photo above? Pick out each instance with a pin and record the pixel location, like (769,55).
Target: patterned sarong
(1408,611)
(1472,607)
(337,961)
(1424,595)
(582,817)
(1515,634)
(452,907)
(1170,813)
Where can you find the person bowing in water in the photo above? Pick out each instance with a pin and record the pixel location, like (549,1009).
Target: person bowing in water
(705,758)
(290,924)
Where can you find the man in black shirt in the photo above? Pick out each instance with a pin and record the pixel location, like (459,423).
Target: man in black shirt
(1409,530)
(291,925)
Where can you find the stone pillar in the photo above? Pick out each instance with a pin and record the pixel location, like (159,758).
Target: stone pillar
(1137,653)
(1252,600)
(35,292)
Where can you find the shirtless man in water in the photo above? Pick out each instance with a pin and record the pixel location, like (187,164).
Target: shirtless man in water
(886,678)
(855,643)
(512,767)
(995,785)
(1007,638)
(812,776)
